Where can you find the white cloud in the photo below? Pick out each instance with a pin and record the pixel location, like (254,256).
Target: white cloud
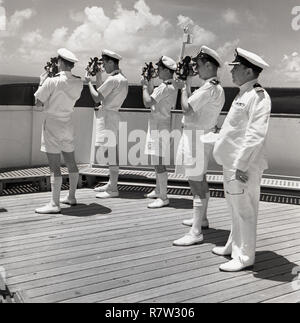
(227,51)
(290,67)
(17,20)
(59,36)
(137,34)
(200,35)
(230,16)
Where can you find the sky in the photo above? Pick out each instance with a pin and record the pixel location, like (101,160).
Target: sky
(141,31)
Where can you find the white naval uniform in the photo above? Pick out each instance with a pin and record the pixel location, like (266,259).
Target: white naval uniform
(241,145)
(114,90)
(165,96)
(59,95)
(192,155)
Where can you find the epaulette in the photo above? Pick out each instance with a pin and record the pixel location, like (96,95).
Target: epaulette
(214,82)
(258,88)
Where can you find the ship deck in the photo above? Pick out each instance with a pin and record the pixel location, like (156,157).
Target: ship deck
(118,251)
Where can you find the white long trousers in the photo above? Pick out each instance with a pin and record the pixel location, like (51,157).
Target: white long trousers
(243,202)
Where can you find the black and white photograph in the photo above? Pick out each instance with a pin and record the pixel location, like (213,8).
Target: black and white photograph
(149,154)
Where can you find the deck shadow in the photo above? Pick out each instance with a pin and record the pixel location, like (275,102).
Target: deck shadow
(84,210)
(132,195)
(181,204)
(3,210)
(277,261)
(217,237)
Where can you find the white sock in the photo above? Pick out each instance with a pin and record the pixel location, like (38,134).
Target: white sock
(73,179)
(113,178)
(56,183)
(198,213)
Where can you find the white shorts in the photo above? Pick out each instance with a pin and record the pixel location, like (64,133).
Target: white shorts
(107,128)
(192,155)
(158,141)
(57,136)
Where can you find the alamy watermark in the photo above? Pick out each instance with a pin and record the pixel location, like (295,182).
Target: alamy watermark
(183,148)
(296,19)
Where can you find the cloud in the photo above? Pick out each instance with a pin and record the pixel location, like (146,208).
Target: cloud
(17,20)
(230,16)
(136,33)
(290,67)
(200,35)
(59,36)
(227,51)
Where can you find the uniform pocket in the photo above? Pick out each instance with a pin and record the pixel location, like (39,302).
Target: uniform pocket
(239,116)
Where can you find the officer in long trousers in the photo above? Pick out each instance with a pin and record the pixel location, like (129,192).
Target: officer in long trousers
(201,110)
(161,100)
(58,96)
(112,94)
(240,149)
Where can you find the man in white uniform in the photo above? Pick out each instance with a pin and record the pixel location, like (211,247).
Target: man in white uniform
(111,93)
(161,100)
(58,96)
(201,111)
(240,149)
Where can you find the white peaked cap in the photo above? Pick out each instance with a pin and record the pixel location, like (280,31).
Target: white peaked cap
(112,54)
(67,55)
(254,59)
(168,62)
(204,50)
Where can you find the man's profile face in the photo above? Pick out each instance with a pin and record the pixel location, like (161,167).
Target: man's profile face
(239,74)
(201,68)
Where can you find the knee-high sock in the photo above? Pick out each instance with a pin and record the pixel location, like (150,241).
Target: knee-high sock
(73,179)
(199,205)
(55,189)
(113,178)
(163,185)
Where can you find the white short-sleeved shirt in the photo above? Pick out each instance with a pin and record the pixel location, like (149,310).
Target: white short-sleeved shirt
(59,94)
(114,90)
(207,103)
(165,96)
(242,140)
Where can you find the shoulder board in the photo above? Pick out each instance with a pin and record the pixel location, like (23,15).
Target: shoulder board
(258,88)
(214,82)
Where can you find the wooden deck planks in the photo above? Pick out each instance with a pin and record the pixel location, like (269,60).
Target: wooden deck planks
(119,251)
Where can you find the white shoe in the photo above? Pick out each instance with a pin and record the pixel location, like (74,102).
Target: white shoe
(188,240)
(158,203)
(107,195)
(68,201)
(222,251)
(236,265)
(190,222)
(152,195)
(101,189)
(48,209)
